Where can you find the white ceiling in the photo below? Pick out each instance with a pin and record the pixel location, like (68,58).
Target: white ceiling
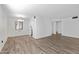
(45,10)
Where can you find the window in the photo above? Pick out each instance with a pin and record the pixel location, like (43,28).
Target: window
(19,24)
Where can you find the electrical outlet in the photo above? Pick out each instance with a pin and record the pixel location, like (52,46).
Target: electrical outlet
(1,41)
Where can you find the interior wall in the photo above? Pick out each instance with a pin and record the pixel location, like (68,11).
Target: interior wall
(70,27)
(3,27)
(44,27)
(12,32)
(53,27)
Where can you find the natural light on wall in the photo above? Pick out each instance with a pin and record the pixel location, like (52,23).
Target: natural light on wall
(18,7)
(19,15)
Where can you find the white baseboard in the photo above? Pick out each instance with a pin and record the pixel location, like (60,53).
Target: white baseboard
(2,44)
(74,36)
(41,36)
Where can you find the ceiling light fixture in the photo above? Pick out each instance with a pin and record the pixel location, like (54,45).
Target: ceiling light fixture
(20,19)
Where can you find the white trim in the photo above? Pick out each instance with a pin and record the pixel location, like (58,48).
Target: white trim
(75,36)
(2,44)
(41,36)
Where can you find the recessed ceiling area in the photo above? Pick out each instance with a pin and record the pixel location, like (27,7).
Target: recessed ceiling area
(43,10)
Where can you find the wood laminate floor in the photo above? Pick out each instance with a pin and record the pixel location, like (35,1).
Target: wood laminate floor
(47,45)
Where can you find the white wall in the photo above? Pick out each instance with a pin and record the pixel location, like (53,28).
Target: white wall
(11,29)
(3,27)
(44,27)
(70,27)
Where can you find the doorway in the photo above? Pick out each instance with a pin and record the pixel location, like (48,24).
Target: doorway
(31,31)
(57,29)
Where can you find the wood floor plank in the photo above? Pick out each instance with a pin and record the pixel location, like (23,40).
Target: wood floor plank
(48,45)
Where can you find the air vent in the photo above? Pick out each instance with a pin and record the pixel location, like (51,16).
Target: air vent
(75,17)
